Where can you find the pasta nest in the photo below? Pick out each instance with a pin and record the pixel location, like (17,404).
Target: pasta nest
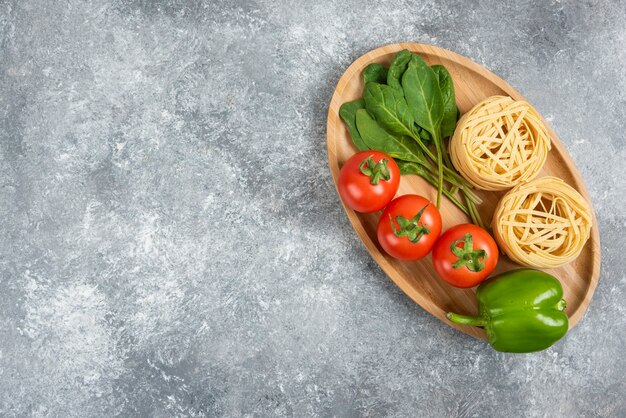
(500,143)
(543,223)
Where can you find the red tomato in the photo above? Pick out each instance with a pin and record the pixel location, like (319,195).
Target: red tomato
(368,181)
(465,255)
(409,227)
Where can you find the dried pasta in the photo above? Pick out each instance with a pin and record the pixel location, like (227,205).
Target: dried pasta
(543,223)
(500,143)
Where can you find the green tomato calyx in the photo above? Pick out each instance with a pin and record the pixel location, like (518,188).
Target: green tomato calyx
(473,259)
(375,170)
(412,228)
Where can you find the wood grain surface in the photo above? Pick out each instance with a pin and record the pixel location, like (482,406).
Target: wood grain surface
(417,279)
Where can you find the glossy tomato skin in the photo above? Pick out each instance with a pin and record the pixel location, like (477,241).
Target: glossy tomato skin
(408,206)
(356,189)
(443,258)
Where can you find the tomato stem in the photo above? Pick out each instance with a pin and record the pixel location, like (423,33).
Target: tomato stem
(375,170)
(473,259)
(410,228)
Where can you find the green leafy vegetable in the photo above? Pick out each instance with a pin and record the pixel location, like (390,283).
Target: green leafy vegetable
(347,112)
(389,108)
(450,111)
(397,68)
(424,135)
(423,95)
(375,137)
(374,73)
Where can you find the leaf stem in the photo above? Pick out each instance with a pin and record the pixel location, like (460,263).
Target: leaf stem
(437,140)
(451,175)
(473,212)
(433,181)
(446,157)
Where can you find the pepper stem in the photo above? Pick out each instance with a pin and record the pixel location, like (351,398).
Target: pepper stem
(476,321)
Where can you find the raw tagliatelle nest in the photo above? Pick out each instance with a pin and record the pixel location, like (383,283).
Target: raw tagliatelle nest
(500,143)
(543,223)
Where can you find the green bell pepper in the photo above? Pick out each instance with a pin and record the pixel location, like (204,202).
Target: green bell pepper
(520,310)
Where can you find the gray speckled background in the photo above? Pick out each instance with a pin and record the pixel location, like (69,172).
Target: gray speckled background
(172,244)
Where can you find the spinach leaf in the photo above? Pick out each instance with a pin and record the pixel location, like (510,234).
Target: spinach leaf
(424,135)
(422,93)
(389,108)
(397,68)
(407,167)
(347,112)
(450,111)
(375,73)
(375,137)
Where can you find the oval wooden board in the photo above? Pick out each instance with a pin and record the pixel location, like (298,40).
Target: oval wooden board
(417,279)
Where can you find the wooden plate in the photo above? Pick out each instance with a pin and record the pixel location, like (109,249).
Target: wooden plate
(417,279)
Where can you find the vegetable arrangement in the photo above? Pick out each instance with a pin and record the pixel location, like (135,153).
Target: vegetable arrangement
(406,111)
(400,125)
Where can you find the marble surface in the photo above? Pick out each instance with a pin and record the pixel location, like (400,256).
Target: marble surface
(172,243)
